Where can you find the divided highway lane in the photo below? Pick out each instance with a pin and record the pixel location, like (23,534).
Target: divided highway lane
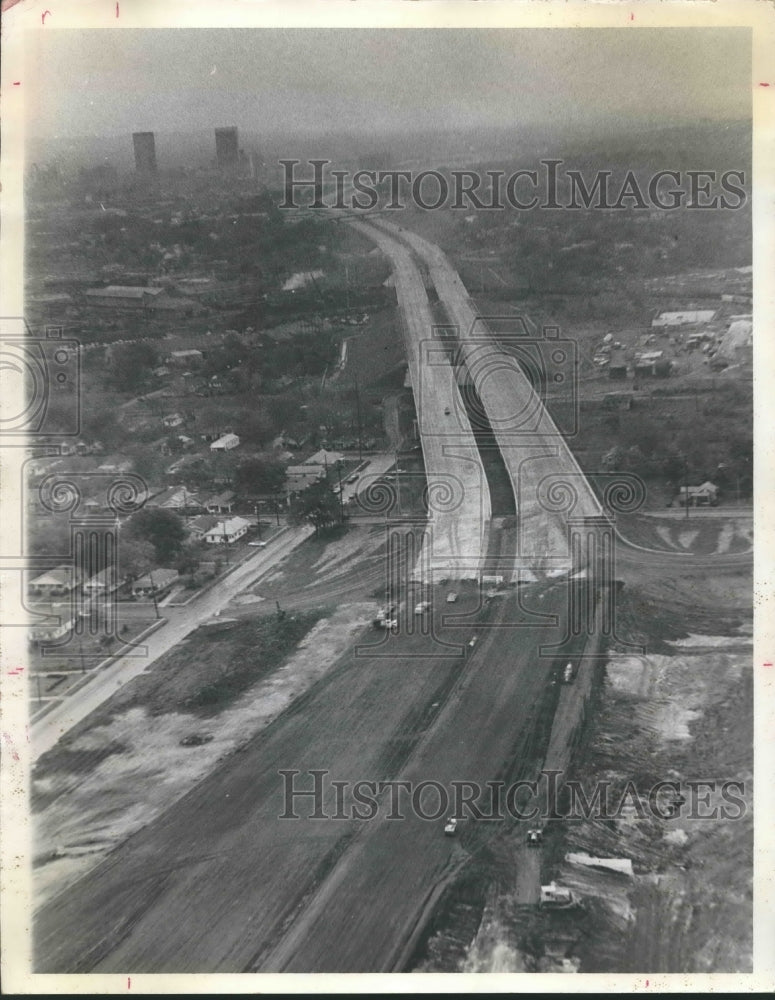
(533,449)
(220,883)
(215,883)
(458,494)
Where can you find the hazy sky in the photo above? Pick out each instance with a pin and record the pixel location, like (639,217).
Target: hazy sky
(302,81)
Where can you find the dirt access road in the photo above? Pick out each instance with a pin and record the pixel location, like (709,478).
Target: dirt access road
(220,884)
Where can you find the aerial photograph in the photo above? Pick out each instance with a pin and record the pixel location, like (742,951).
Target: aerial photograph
(387,500)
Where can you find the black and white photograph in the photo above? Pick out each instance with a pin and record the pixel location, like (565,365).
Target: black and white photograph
(385,454)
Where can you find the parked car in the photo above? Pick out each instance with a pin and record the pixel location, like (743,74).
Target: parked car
(534,838)
(450,827)
(257,545)
(422,607)
(567,674)
(451,598)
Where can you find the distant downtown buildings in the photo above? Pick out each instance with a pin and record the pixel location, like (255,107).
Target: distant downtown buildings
(145,152)
(226,147)
(227,152)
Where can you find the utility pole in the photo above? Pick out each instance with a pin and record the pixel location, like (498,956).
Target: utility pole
(341,498)
(686,484)
(258,521)
(226,543)
(358,417)
(153,594)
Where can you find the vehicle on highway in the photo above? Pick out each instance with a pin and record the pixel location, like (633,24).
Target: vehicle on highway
(451,598)
(557,897)
(389,624)
(447,411)
(257,545)
(567,674)
(450,827)
(353,479)
(472,641)
(534,838)
(196,740)
(422,608)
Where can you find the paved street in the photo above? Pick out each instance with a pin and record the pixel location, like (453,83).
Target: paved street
(180,622)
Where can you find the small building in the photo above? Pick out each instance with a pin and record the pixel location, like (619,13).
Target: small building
(154,584)
(299,477)
(225,443)
(130,297)
(327,459)
(685,318)
(175,498)
(705,495)
(57,582)
(650,363)
(185,359)
(220,503)
(200,526)
(172,420)
(103,583)
(227,532)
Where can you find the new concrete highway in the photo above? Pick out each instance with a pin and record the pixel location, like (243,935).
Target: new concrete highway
(548,484)
(459,509)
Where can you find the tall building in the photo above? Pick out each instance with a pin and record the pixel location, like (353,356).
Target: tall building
(145,152)
(226,147)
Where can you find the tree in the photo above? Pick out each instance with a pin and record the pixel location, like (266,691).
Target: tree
(135,557)
(131,365)
(258,476)
(162,528)
(188,558)
(318,505)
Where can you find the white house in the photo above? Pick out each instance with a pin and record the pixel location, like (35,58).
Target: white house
(225,443)
(228,531)
(199,527)
(62,580)
(101,583)
(220,503)
(172,420)
(698,496)
(157,582)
